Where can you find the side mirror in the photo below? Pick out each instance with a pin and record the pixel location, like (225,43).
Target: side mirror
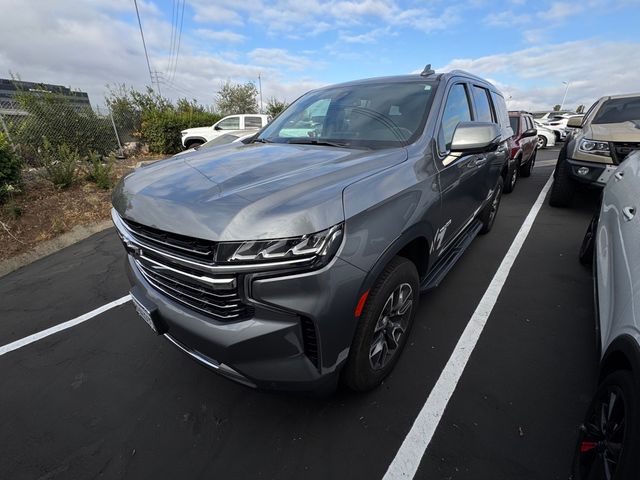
(217,127)
(532,132)
(575,122)
(475,137)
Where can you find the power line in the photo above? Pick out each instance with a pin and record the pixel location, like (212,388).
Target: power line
(144,44)
(173,33)
(175,63)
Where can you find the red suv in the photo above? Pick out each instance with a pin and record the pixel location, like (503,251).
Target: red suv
(523,147)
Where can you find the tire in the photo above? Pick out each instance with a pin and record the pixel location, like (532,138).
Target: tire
(621,424)
(527,168)
(490,211)
(542,142)
(586,249)
(563,187)
(193,143)
(512,177)
(376,331)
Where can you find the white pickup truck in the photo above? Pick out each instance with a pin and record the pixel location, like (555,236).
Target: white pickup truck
(192,137)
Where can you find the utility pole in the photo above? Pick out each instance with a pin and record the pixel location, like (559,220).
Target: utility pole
(565,93)
(260,83)
(156,77)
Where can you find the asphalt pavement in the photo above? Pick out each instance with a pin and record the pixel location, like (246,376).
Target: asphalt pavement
(109,399)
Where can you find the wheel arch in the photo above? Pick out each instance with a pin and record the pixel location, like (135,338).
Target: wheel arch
(622,354)
(413,244)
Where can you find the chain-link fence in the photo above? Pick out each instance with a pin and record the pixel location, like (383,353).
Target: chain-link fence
(33,120)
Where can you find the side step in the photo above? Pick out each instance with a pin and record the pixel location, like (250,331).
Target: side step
(451,256)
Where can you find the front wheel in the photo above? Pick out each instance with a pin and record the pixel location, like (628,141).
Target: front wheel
(383,327)
(586,249)
(609,440)
(542,142)
(510,185)
(564,186)
(488,214)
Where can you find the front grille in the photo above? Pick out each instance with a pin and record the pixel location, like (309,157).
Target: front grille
(220,303)
(620,150)
(173,243)
(178,267)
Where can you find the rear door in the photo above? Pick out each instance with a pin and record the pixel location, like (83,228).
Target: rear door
(459,175)
(529,142)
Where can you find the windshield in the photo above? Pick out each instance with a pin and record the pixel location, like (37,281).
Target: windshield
(369,115)
(619,110)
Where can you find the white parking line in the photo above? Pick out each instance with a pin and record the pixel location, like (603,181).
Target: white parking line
(62,326)
(407,459)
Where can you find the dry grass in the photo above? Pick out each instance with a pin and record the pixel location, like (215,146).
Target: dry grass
(43,212)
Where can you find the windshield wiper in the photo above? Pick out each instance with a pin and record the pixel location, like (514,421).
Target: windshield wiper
(262,140)
(313,141)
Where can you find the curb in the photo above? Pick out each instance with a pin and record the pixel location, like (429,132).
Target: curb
(44,249)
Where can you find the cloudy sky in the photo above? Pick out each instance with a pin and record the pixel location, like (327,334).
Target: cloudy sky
(528,49)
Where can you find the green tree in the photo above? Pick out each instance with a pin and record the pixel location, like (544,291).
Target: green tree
(235,98)
(275,106)
(556,108)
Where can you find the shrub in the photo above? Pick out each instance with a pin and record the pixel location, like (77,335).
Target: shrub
(10,170)
(100,170)
(161,129)
(60,164)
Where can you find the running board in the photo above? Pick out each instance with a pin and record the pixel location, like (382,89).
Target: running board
(451,256)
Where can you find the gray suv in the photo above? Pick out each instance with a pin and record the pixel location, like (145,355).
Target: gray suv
(298,258)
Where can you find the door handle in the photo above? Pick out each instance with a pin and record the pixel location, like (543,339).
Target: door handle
(618,175)
(628,213)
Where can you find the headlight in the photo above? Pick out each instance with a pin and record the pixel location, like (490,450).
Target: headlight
(594,147)
(307,249)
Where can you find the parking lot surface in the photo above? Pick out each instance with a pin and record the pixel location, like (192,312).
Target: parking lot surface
(109,399)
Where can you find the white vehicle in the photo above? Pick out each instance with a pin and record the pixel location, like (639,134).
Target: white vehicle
(546,116)
(546,136)
(192,137)
(226,138)
(609,440)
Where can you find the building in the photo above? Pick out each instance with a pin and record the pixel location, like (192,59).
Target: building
(9,88)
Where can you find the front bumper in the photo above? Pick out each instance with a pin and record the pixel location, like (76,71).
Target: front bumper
(596,174)
(296,339)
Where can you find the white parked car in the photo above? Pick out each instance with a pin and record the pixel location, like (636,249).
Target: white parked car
(546,136)
(609,441)
(192,137)
(235,136)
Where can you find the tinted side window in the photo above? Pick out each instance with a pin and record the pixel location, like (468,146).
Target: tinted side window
(514,124)
(483,105)
(252,122)
(231,123)
(501,112)
(456,110)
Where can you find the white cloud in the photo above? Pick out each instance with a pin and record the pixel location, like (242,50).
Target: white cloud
(560,10)
(533,77)
(278,56)
(506,18)
(225,36)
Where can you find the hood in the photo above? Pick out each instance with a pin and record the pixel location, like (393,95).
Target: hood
(614,132)
(245,192)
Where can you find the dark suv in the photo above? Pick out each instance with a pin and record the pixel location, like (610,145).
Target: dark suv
(524,148)
(298,258)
